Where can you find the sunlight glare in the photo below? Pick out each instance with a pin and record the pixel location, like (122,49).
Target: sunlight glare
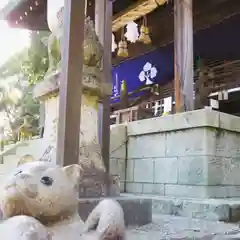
(12,40)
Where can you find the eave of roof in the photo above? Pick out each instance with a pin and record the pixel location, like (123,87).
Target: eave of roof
(131,13)
(135,11)
(9,7)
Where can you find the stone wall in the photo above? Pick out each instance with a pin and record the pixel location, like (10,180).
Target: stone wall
(32,147)
(194,154)
(118,152)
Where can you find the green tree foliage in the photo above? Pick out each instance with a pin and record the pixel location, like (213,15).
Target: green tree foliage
(18,107)
(31,63)
(36,64)
(13,65)
(27,68)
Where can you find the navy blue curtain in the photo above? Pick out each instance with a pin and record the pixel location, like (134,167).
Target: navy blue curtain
(220,42)
(153,67)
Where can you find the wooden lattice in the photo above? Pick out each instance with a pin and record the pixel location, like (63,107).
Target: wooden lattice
(221,74)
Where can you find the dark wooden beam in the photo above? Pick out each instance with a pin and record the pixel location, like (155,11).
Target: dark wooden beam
(26,14)
(161,22)
(33,23)
(16,8)
(91,9)
(70,84)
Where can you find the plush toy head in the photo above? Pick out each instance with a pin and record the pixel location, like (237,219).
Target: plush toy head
(25,159)
(41,190)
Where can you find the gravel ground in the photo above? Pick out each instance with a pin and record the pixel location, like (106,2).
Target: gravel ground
(176,228)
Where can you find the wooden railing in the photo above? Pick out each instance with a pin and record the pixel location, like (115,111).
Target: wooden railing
(9,150)
(146,110)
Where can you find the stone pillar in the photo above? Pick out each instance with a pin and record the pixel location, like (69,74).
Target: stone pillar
(183,44)
(42,114)
(1,142)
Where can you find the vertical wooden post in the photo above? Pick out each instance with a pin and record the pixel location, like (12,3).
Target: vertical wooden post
(42,119)
(183,48)
(1,143)
(103,23)
(71,84)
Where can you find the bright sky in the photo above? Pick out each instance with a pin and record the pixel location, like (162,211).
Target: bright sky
(11,40)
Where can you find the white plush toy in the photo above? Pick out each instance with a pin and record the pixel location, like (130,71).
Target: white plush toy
(49,194)
(106,220)
(23,228)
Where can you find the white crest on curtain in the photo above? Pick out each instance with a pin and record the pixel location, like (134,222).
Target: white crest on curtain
(114,45)
(148,73)
(132,33)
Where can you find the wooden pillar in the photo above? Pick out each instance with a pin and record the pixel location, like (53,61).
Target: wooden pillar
(103,24)
(1,143)
(183,47)
(201,89)
(71,85)
(42,118)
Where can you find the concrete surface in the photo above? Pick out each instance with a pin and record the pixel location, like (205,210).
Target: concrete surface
(176,228)
(227,210)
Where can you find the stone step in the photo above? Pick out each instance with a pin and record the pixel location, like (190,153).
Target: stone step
(182,228)
(227,210)
(137,210)
(33,147)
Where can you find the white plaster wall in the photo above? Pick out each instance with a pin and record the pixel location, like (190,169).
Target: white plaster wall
(118,152)
(51,113)
(50,127)
(33,147)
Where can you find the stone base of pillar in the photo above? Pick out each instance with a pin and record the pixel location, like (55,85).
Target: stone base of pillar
(97,183)
(137,210)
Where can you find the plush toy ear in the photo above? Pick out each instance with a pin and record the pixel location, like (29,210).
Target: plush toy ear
(25,159)
(73,172)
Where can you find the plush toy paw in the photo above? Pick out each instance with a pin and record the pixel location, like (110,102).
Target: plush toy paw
(23,228)
(107,219)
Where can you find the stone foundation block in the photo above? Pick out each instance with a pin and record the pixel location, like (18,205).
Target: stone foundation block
(193,154)
(137,211)
(227,210)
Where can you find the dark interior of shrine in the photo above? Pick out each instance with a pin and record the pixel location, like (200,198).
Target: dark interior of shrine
(216,36)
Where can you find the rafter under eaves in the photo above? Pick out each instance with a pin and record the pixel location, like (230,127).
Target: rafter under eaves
(134,12)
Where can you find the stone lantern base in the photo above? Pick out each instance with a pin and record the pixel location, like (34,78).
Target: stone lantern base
(95,181)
